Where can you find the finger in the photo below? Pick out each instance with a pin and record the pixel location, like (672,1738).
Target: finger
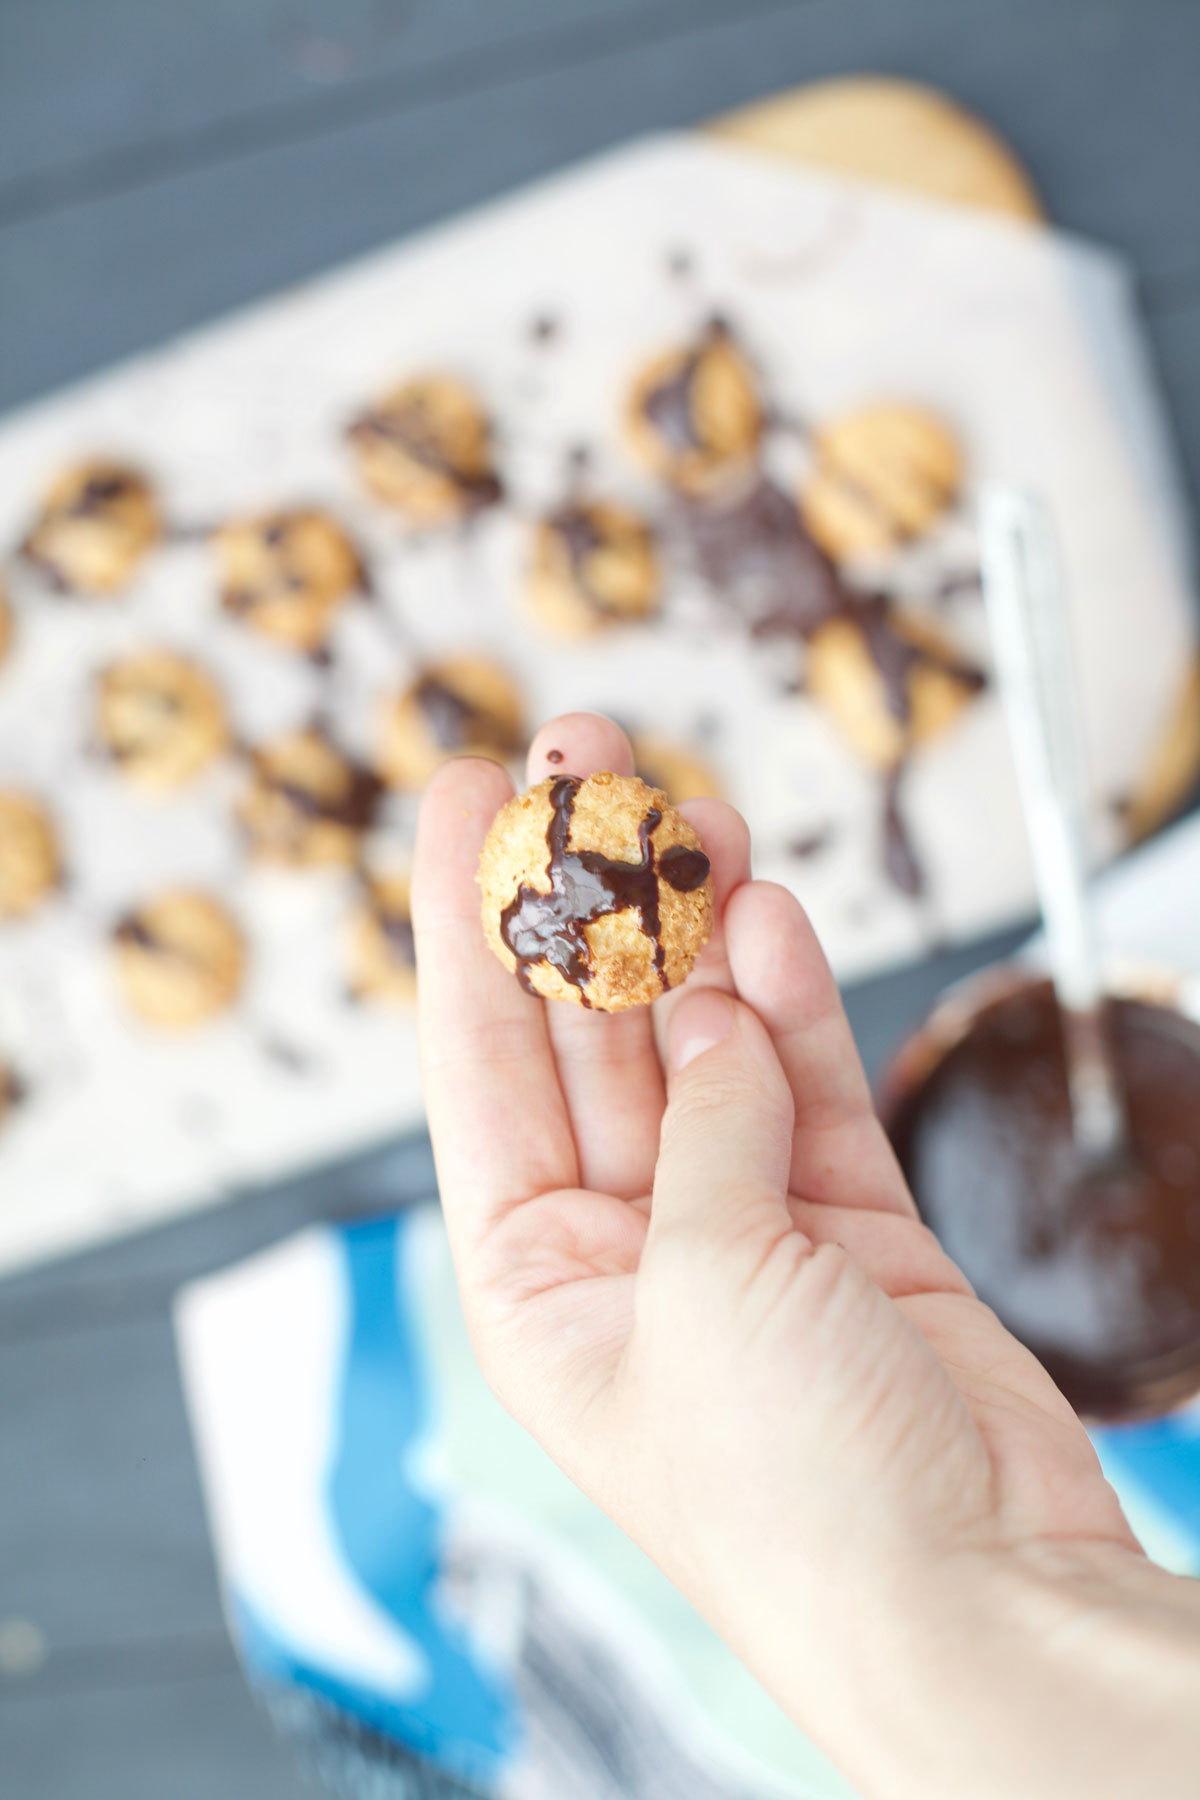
(840,1152)
(499,1123)
(607,1062)
(726,1134)
(726,839)
(578,744)
(899,1254)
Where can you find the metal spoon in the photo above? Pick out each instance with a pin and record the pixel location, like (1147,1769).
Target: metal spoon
(1023,593)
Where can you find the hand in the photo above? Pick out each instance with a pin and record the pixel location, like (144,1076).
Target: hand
(692,1270)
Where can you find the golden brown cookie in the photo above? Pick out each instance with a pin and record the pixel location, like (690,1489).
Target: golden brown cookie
(889,680)
(594,564)
(30,858)
(882,474)
(97,522)
(595,891)
(180,959)
(288,573)
(464,706)
(426,450)
(306,805)
(694,417)
(161,719)
(1171,773)
(383,956)
(682,775)
(898,133)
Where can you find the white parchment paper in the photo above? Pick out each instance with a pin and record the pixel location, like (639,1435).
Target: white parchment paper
(844,295)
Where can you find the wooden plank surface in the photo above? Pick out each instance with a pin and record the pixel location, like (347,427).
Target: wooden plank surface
(164,160)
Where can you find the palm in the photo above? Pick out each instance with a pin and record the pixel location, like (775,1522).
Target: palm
(547,1122)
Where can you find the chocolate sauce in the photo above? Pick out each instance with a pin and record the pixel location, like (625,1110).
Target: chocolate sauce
(1099,1274)
(811,843)
(581,537)
(554,756)
(354,805)
(453,721)
(100,492)
(410,428)
(670,407)
(586,886)
(899,855)
(132,929)
(683,869)
(754,549)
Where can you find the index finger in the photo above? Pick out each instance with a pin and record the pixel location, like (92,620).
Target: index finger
(499,1122)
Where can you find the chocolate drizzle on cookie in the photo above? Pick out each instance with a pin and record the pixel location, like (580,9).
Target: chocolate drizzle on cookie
(671,406)
(353,805)
(410,428)
(455,722)
(585,886)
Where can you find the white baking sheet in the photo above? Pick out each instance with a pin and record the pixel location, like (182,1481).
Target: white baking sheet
(844,295)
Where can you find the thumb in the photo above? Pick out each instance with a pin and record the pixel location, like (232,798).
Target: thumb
(725,1144)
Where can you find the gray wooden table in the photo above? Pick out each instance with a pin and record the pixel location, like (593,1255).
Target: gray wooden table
(162,161)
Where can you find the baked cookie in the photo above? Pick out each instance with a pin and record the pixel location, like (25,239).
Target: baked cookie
(888,679)
(464,706)
(595,891)
(882,474)
(895,132)
(288,573)
(7,623)
(180,959)
(160,718)
(594,564)
(383,956)
(694,417)
(426,450)
(98,520)
(675,768)
(30,858)
(306,805)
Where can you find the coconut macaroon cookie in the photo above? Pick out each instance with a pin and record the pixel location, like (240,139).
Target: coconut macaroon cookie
(462,706)
(180,959)
(882,475)
(30,857)
(595,891)
(694,416)
(594,564)
(382,946)
(98,519)
(161,719)
(288,573)
(673,767)
(888,679)
(306,805)
(425,449)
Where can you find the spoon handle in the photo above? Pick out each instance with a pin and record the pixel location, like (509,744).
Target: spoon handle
(1023,592)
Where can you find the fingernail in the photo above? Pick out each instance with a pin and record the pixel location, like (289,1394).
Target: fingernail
(704,1019)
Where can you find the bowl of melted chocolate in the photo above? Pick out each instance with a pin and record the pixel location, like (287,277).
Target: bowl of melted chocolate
(1096,1270)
